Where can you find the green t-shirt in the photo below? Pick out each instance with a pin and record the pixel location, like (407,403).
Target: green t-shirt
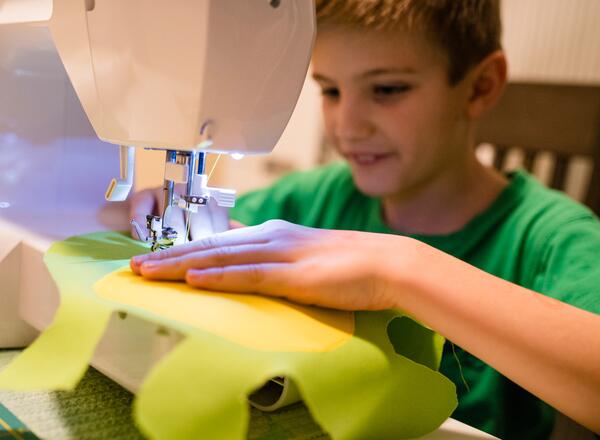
(530,235)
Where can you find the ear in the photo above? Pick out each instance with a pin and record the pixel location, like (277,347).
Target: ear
(487,82)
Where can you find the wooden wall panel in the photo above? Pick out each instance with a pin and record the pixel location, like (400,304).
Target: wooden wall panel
(553,40)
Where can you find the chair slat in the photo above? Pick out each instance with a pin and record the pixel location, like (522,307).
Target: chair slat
(529,159)
(593,193)
(560,172)
(500,152)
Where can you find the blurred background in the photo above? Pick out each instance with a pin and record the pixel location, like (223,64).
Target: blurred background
(553,47)
(546,41)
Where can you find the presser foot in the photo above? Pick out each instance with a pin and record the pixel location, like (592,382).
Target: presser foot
(159,238)
(162,243)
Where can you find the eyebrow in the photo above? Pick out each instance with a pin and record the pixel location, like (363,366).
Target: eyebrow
(387,71)
(371,73)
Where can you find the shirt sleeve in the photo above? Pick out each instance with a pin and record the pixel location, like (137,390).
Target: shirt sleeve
(311,198)
(570,266)
(275,202)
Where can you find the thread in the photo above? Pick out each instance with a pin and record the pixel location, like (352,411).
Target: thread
(214,166)
(460,370)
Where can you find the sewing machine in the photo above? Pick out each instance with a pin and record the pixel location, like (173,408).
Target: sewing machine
(189,78)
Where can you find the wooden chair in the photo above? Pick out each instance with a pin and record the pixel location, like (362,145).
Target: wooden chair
(563,120)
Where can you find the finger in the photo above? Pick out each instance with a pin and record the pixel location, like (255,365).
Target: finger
(175,268)
(234,237)
(234,224)
(270,279)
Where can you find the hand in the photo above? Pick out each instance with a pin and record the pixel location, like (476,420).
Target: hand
(336,269)
(208,220)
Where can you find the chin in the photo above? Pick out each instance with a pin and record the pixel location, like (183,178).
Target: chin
(374,187)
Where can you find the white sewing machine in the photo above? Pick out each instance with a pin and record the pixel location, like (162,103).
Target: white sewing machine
(186,77)
(190,77)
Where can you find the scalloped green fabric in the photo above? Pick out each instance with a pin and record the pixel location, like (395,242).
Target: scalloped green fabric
(381,383)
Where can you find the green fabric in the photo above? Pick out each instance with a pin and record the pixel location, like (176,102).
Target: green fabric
(532,236)
(362,389)
(65,358)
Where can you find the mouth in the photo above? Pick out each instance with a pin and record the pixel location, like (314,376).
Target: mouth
(367,159)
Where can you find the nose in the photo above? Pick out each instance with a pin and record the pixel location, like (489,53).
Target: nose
(352,121)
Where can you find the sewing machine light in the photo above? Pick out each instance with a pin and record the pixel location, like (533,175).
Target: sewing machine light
(237,156)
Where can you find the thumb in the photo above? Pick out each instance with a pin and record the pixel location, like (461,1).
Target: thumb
(234,224)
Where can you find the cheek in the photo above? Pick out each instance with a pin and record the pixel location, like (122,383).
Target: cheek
(415,134)
(402,126)
(427,124)
(328,121)
(446,112)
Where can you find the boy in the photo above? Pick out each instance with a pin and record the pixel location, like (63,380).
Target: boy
(462,248)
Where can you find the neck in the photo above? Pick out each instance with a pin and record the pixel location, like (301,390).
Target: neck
(446,203)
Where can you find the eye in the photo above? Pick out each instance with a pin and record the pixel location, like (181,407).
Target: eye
(384,91)
(330,92)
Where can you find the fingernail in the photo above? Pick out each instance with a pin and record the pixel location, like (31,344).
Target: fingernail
(137,260)
(150,265)
(194,273)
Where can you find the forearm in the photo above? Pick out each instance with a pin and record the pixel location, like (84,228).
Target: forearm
(548,347)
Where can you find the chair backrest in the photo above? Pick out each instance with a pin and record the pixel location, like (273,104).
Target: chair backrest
(561,119)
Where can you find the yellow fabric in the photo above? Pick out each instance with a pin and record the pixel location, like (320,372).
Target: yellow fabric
(251,321)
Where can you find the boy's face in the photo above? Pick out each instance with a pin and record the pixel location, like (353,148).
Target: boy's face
(389,109)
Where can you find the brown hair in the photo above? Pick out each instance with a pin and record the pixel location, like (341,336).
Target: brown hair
(466,30)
